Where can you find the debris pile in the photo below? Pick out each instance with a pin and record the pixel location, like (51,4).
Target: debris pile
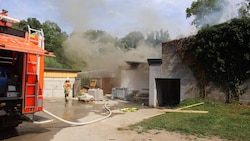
(85,97)
(91,94)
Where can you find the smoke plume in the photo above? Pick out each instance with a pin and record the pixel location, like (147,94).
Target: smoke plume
(119,17)
(228,10)
(106,55)
(83,15)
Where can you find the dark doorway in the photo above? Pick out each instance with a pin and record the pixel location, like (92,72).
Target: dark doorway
(168,91)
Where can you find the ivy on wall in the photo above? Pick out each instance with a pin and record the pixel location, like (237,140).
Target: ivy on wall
(220,54)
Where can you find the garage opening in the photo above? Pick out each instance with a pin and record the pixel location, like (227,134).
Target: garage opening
(168,91)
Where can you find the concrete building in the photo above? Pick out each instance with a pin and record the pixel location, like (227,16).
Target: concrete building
(154,73)
(54,79)
(135,77)
(171,80)
(131,78)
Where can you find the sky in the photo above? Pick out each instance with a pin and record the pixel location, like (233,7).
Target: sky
(117,17)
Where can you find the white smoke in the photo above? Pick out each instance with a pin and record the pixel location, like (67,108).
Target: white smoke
(83,15)
(228,10)
(110,57)
(119,17)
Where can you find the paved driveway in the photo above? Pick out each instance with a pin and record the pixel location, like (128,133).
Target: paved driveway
(110,129)
(76,111)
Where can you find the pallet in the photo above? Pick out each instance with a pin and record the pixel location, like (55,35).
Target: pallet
(86,99)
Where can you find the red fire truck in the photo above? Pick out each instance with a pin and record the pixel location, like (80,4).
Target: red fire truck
(21,72)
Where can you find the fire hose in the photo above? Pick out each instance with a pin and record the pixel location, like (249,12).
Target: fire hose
(80,123)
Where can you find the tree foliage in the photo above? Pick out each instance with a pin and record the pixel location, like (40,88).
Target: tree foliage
(223,53)
(131,40)
(32,22)
(157,37)
(100,40)
(205,12)
(244,10)
(98,36)
(53,36)
(53,39)
(52,62)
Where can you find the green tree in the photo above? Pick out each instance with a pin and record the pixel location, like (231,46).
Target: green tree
(94,35)
(245,9)
(53,36)
(157,37)
(98,36)
(205,12)
(99,39)
(222,53)
(131,40)
(52,62)
(32,22)
(53,40)
(52,32)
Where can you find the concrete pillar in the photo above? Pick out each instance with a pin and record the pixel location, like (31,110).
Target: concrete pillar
(154,72)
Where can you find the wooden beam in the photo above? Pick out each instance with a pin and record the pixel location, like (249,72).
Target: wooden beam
(153,115)
(197,104)
(179,110)
(184,111)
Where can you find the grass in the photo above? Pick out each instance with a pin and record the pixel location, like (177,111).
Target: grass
(227,121)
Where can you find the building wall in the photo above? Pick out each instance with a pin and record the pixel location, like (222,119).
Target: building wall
(53,83)
(154,72)
(59,74)
(53,87)
(173,67)
(135,80)
(107,85)
(245,98)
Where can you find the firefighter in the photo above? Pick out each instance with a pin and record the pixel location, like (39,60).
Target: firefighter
(67,88)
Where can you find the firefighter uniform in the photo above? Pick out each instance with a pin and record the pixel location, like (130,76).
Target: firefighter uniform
(67,88)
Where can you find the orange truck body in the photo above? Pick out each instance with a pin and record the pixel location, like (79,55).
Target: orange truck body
(22,73)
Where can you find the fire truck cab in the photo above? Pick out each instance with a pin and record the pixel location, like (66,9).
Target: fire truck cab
(21,72)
